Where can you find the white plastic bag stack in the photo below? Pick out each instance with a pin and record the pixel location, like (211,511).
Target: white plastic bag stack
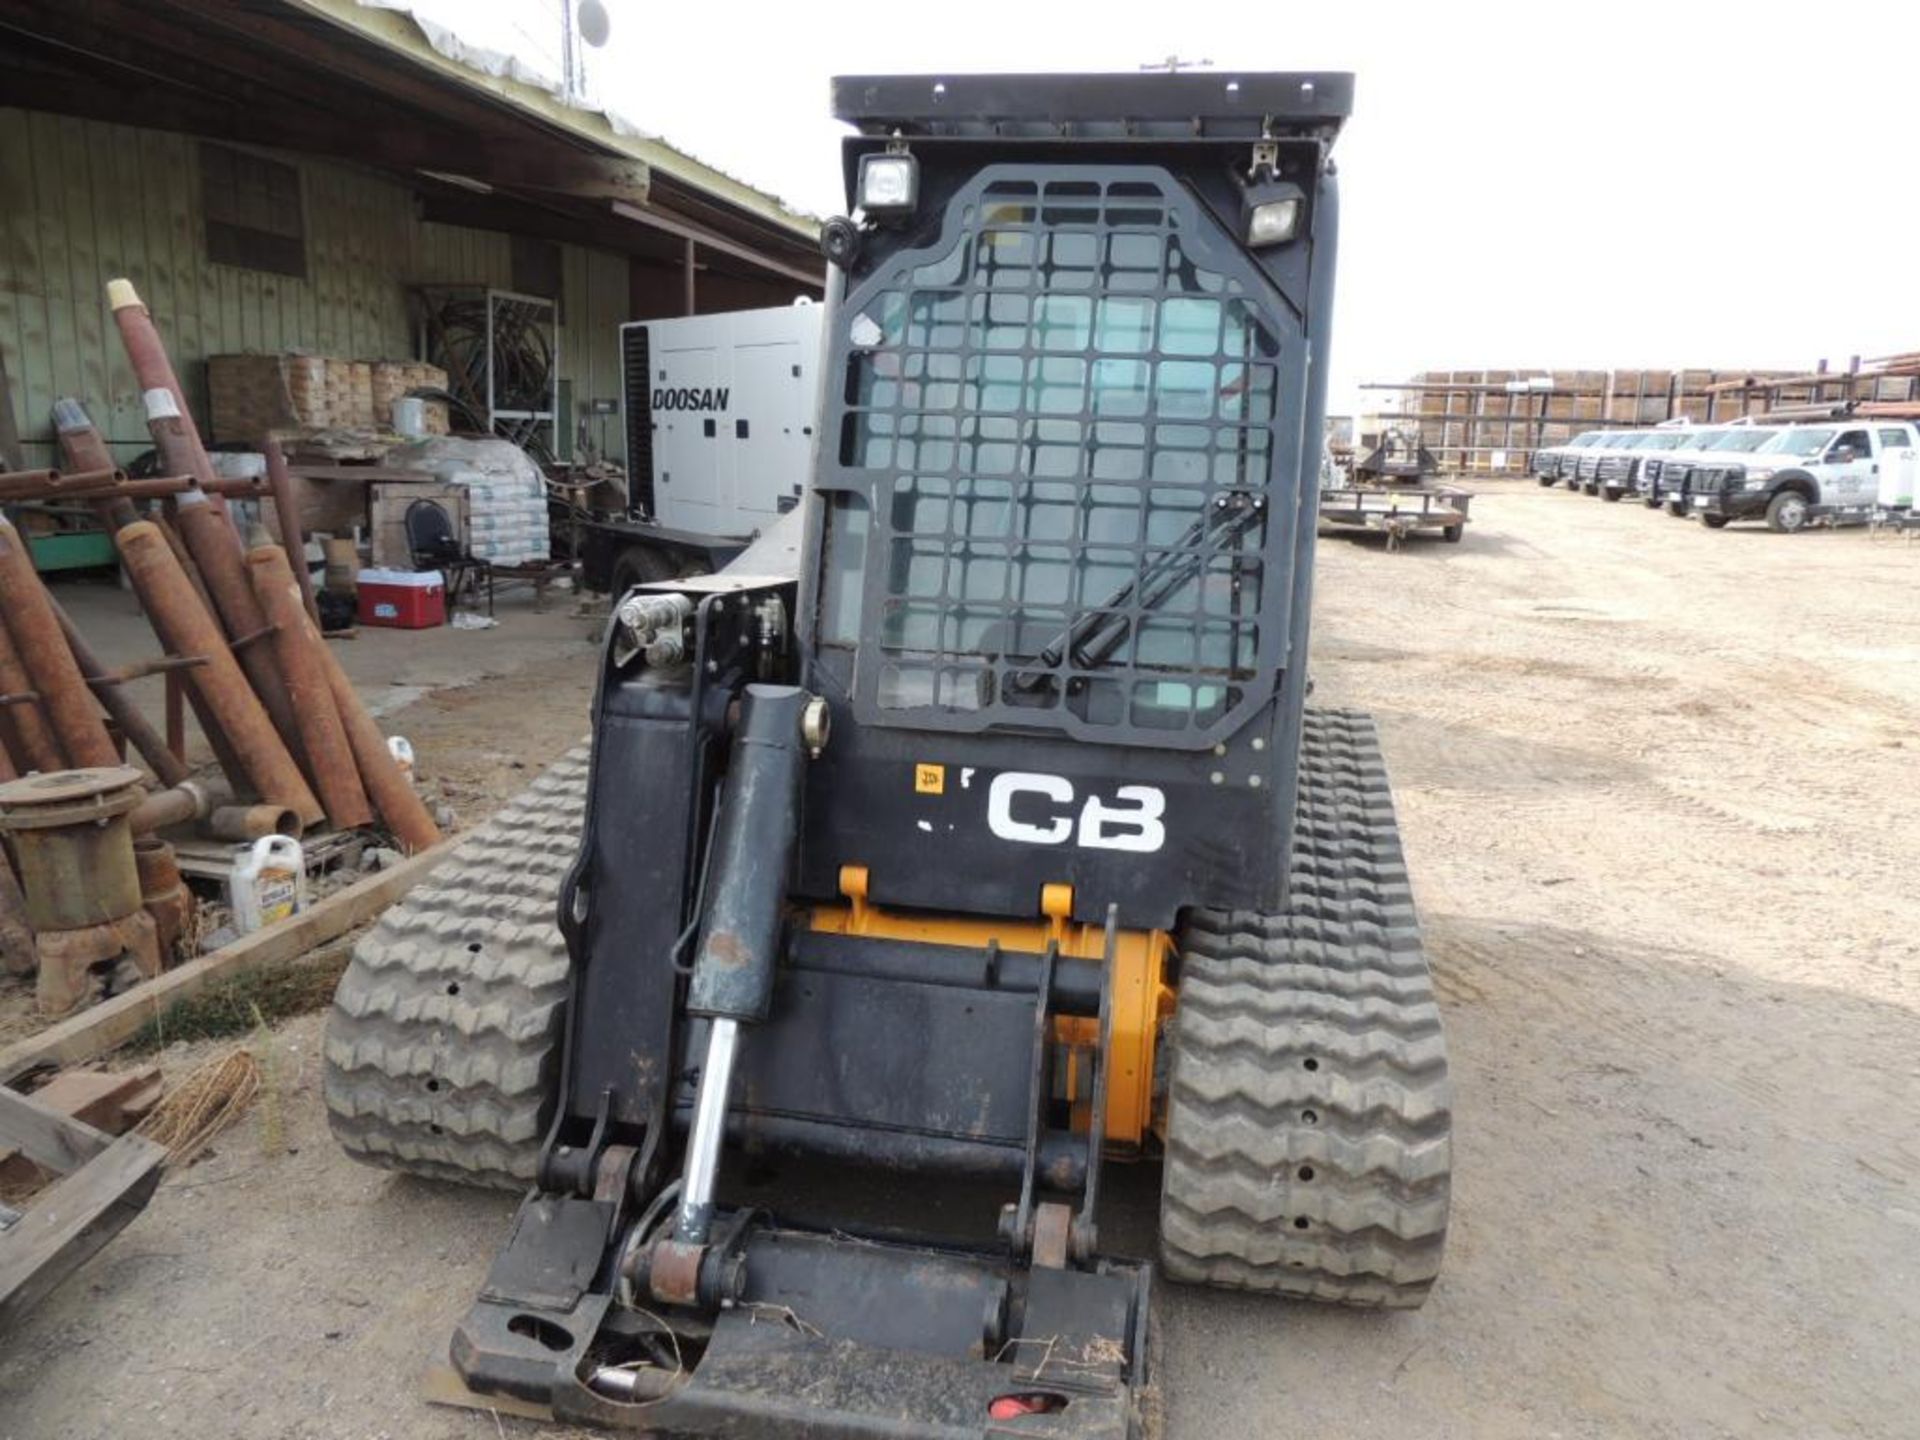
(506,494)
(506,520)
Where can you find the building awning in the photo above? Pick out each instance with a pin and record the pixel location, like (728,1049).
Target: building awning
(335,79)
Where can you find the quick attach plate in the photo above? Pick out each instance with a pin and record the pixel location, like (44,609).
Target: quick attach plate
(835,1335)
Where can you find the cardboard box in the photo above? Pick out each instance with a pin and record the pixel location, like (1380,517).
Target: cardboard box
(251,396)
(394,378)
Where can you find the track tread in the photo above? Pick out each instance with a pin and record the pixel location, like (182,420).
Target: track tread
(444,1041)
(1325,1009)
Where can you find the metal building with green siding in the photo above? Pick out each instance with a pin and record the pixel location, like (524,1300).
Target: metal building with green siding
(259,216)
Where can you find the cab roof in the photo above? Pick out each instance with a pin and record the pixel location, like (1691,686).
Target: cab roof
(1192,104)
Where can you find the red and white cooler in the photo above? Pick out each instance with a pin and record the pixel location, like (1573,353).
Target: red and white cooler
(404,599)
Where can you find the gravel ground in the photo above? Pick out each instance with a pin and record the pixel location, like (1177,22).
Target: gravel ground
(1658,792)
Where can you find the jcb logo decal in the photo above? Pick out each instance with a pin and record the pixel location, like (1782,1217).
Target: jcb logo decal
(1036,809)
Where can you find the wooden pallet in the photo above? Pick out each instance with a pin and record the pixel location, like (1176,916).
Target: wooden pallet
(104,1182)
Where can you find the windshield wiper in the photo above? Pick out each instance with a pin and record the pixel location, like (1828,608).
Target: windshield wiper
(1092,638)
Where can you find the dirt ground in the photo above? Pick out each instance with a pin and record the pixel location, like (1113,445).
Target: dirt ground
(1658,786)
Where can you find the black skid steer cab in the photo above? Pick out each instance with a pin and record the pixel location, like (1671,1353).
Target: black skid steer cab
(968,837)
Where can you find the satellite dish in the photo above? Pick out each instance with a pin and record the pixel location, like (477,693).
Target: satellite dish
(592,19)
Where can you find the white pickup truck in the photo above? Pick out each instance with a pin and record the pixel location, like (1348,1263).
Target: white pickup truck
(1838,472)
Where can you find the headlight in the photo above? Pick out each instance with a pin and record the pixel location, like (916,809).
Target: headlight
(1749,478)
(889,185)
(1270,213)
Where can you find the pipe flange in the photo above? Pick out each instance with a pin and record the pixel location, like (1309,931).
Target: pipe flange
(69,797)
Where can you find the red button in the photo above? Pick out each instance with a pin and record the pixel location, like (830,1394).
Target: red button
(1012,1407)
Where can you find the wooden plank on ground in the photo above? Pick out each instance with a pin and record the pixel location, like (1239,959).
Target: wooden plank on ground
(110,1101)
(72,1219)
(45,1136)
(113,1022)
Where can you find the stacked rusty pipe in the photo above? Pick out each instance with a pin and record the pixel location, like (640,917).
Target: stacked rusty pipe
(82,446)
(215,547)
(39,648)
(168,420)
(65,485)
(106,684)
(356,771)
(286,514)
(222,708)
(200,514)
(185,628)
(241,636)
(239,630)
(298,649)
(59,728)
(313,708)
(24,731)
(164,895)
(49,725)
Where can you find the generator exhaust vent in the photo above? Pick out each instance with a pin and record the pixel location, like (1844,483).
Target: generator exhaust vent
(635,364)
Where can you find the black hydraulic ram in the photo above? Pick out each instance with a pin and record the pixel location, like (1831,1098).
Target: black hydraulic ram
(746,896)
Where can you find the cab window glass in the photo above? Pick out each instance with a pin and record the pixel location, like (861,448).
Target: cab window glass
(1069,424)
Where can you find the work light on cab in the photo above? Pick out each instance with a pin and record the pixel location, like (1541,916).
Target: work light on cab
(889,185)
(1270,213)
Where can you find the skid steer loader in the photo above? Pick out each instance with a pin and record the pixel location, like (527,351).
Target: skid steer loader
(979,831)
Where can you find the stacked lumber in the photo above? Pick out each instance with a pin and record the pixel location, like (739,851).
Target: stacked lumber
(1491,421)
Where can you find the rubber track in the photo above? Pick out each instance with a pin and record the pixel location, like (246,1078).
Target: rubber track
(443,1047)
(1308,1134)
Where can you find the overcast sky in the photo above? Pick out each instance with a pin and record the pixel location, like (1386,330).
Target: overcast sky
(1538,184)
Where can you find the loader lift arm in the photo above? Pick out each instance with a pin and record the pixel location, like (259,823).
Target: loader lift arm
(609,1271)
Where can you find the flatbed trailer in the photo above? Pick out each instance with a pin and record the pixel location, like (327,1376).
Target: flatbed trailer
(618,552)
(1397,511)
